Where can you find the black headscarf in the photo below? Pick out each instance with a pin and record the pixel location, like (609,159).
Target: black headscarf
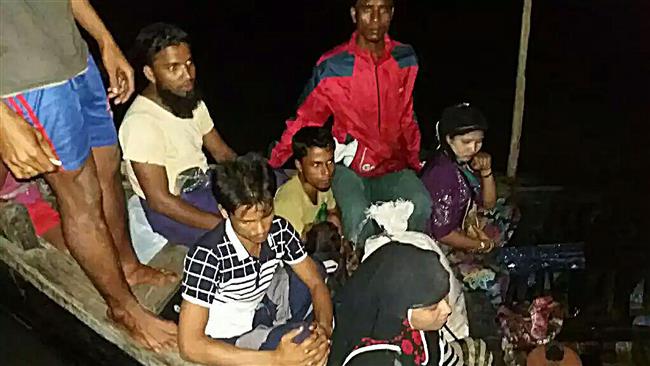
(376,299)
(457,120)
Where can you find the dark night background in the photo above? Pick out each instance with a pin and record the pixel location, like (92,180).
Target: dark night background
(587,97)
(587,81)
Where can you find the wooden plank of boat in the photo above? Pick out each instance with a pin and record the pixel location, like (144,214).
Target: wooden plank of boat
(155,298)
(16,225)
(57,275)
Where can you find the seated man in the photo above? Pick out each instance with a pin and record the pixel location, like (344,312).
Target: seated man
(162,135)
(307,197)
(230,270)
(366,86)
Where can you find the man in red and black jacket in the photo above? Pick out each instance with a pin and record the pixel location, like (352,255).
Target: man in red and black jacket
(366,85)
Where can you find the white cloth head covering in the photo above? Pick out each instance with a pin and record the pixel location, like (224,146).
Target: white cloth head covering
(393,217)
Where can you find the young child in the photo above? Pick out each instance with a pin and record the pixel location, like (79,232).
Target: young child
(326,246)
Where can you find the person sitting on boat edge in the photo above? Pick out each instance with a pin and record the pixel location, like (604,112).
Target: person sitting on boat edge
(459,178)
(307,197)
(162,136)
(228,272)
(55,120)
(366,85)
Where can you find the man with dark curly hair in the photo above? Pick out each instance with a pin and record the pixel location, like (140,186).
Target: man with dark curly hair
(162,137)
(229,272)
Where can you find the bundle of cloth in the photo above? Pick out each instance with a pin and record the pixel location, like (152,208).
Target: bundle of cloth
(528,325)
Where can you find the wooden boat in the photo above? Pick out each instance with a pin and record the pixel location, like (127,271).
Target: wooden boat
(47,289)
(47,286)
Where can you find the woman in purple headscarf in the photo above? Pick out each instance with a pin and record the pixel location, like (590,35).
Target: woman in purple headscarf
(459,178)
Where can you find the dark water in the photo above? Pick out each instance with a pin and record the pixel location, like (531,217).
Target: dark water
(21,346)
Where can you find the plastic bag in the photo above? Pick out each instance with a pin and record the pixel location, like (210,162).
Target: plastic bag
(146,242)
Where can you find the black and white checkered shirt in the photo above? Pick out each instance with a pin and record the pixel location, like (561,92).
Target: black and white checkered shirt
(221,275)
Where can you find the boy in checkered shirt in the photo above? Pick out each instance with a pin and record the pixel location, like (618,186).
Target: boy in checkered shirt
(229,272)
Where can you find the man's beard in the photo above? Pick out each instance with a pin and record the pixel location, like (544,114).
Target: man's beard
(180,106)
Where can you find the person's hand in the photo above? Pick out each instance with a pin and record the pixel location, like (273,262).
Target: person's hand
(322,328)
(482,247)
(488,243)
(323,331)
(313,351)
(482,162)
(336,220)
(120,73)
(23,148)
(486,247)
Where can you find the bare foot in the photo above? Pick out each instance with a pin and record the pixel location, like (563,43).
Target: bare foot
(151,332)
(139,274)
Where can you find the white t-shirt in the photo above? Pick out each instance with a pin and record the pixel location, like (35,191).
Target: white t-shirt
(151,134)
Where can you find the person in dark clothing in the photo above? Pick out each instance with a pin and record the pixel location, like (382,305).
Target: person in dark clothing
(391,310)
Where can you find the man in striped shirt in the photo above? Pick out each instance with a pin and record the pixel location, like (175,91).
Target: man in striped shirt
(230,270)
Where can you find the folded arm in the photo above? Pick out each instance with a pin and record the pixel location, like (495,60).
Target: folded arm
(489,190)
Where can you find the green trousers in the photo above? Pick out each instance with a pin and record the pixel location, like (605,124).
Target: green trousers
(354,194)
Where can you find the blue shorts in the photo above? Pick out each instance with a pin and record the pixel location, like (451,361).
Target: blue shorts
(74,117)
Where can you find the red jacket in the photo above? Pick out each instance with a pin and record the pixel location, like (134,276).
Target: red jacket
(371,102)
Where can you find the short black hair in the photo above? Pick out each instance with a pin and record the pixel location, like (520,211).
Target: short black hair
(246,181)
(155,38)
(323,238)
(309,137)
(356,2)
(324,243)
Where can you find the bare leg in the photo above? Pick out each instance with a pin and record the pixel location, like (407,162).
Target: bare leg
(90,243)
(54,236)
(107,160)
(3,174)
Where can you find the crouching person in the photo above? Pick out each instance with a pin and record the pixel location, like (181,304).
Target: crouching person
(228,273)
